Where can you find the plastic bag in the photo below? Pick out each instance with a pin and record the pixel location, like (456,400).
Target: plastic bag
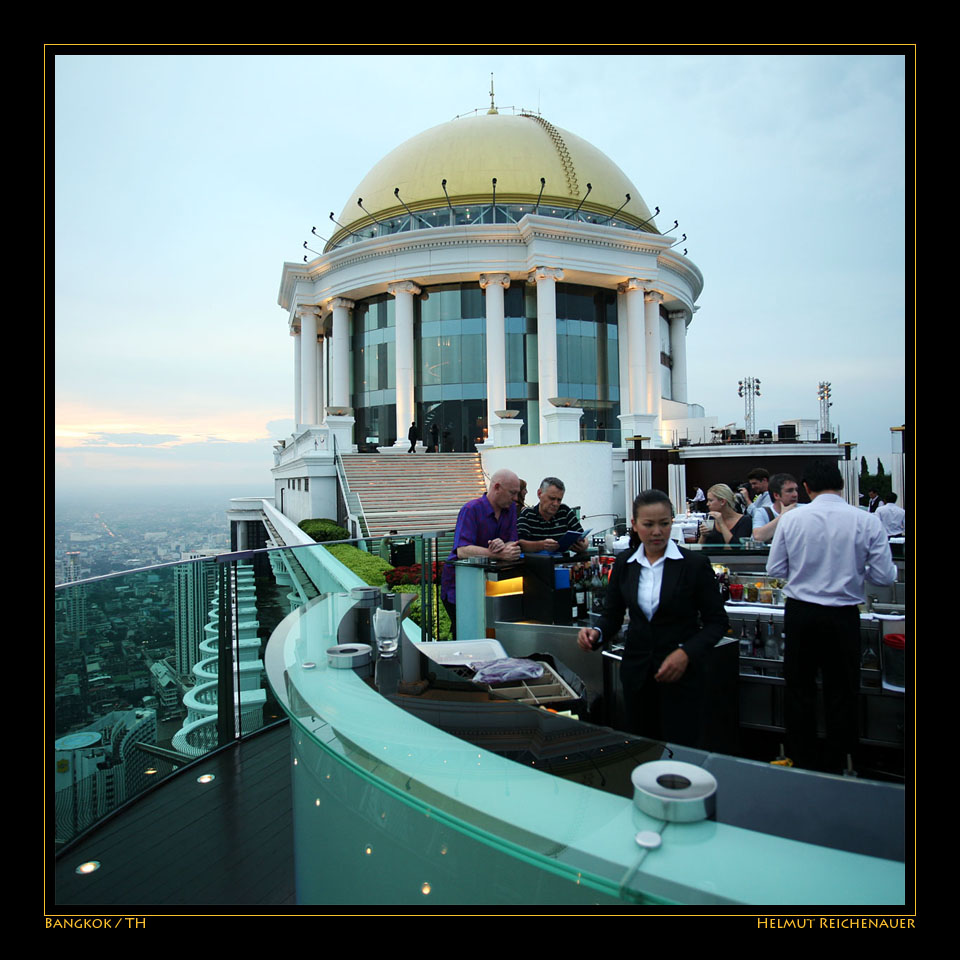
(501,671)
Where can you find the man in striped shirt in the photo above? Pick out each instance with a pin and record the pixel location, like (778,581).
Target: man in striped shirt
(539,527)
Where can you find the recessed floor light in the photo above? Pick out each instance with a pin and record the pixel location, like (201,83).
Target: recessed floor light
(88,867)
(206,778)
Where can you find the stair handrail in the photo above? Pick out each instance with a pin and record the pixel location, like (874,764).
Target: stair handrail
(358,518)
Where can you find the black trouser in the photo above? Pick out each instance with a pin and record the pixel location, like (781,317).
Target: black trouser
(451,609)
(827,638)
(663,711)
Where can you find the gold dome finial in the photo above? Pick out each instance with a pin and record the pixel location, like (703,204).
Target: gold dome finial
(493,106)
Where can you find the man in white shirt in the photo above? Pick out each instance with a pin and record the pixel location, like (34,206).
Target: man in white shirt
(892,516)
(825,551)
(783,489)
(759,480)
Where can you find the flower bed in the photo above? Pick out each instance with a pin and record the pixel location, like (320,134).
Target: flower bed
(399,576)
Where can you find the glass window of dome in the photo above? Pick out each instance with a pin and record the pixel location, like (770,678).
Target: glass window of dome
(466,214)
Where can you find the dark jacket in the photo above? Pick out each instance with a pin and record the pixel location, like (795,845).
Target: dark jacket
(690,613)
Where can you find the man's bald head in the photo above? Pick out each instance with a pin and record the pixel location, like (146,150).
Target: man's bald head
(503,488)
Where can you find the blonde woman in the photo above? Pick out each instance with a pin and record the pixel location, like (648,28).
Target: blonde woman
(728,525)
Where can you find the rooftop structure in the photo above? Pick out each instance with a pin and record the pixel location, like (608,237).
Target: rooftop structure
(492,263)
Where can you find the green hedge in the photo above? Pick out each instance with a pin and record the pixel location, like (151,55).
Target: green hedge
(323,530)
(373,569)
(445,630)
(368,566)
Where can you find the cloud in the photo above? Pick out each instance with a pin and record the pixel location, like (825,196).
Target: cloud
(278,429)
(131,439)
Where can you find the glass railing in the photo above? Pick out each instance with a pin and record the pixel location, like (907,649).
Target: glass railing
(158,666)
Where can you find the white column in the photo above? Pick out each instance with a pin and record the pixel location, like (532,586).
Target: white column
(546,280)
(651,326)
(898,472)
(321,394)
(309,316)
(495,284)
(340,353)
(404,291)
(678,354)
(623,348)
(633,395)
(849,467)
(677,482)
(635,421)
(295,333)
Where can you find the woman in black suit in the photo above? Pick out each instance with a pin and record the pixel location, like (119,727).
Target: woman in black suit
(676,616)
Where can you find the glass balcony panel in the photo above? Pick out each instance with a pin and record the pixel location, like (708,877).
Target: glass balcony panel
(139,688)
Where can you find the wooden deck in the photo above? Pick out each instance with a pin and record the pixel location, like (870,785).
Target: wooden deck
(228,842)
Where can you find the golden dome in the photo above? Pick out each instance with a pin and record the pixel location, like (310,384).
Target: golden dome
(516,149)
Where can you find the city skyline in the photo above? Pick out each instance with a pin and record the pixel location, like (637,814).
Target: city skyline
(184,182)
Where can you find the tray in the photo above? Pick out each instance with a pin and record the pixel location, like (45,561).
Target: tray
(550,688)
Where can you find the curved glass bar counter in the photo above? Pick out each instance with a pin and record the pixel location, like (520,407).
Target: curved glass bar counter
(391,809)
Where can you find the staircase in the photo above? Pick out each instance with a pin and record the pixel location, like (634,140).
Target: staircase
(411,493)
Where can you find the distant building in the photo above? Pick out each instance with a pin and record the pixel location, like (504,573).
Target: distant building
(100,766)
(167,687)
(194,584)
(76,597)
(199,731)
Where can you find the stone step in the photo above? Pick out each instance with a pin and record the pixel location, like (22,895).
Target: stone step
(413,493)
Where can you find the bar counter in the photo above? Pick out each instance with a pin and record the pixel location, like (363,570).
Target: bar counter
(389,810)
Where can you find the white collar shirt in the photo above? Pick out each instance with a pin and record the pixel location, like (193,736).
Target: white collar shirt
(826,550)
(892,517)
(651,577)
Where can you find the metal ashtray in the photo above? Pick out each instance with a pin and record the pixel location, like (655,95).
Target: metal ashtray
(674,791)
(346,656)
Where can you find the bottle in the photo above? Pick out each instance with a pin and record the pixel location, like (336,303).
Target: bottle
(580,591)
(758,644)
(597,588)
(771,648)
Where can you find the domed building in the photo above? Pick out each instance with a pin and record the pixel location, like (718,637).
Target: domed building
(496,281)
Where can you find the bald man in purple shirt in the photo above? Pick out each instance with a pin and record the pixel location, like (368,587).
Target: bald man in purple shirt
(486,527)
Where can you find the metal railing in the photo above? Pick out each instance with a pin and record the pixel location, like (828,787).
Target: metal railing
(347,500)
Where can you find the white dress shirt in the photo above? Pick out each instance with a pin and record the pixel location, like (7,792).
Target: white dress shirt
(892,517)
(826,550)
(651,577)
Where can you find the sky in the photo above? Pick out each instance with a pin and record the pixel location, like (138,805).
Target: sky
(181,184)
